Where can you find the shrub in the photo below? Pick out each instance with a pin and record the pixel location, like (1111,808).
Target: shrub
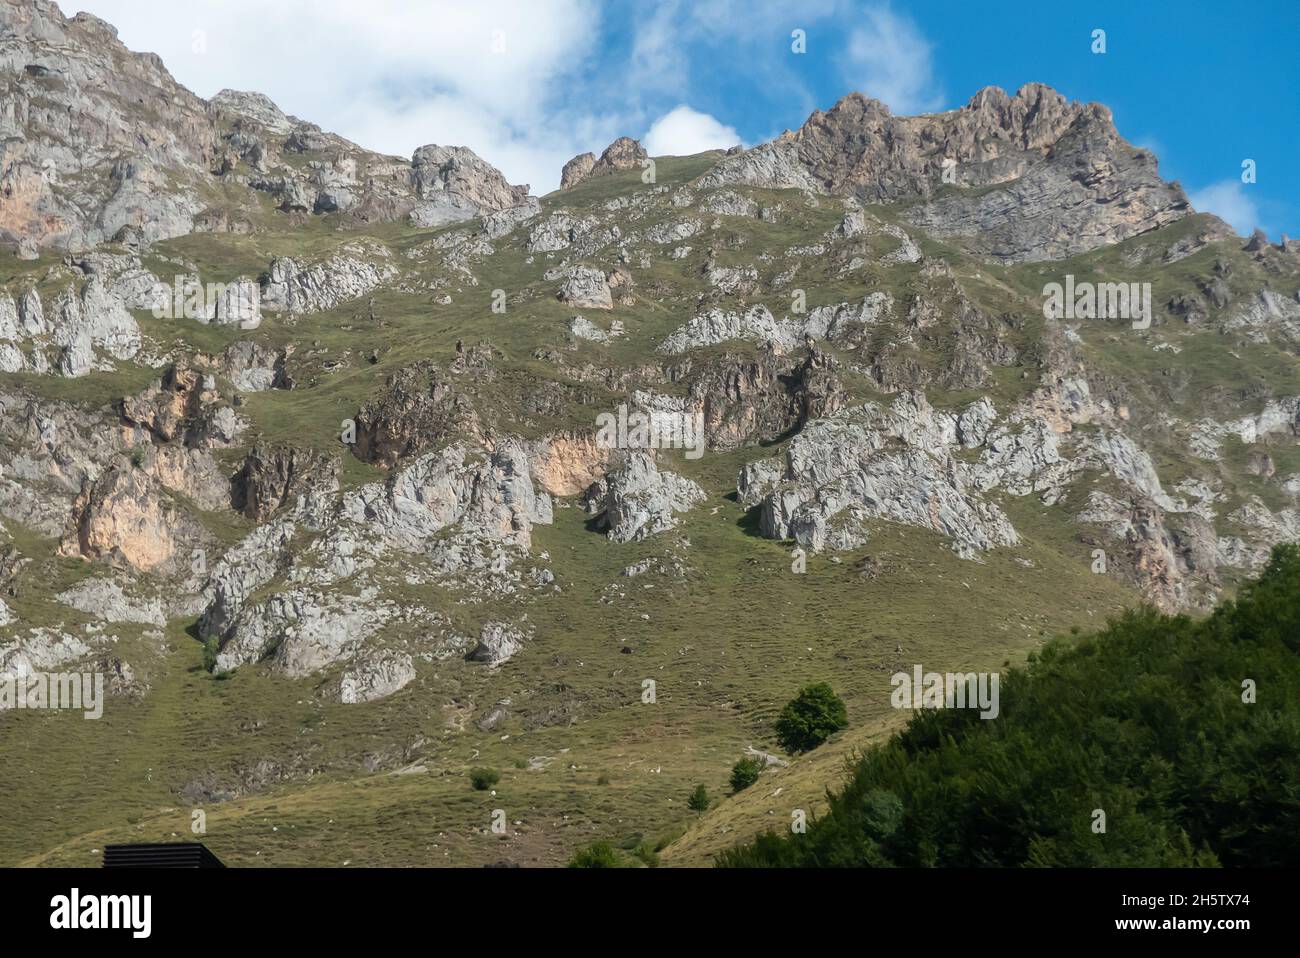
(647,854)
(596,855)
(699,800)
(484,778)
(810,718)
(211,647)
(744,774)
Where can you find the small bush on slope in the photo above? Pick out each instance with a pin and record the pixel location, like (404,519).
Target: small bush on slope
(1144,720)
(597,855)
(744,774)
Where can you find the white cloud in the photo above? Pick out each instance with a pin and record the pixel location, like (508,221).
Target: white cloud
(1227,200)
(392,75)
(683,131)
(658,62)
(888,59)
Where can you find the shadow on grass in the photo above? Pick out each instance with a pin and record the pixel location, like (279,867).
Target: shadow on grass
(750,523)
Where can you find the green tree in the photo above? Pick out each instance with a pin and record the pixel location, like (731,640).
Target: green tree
(810,718)
(699,800)
(744,774)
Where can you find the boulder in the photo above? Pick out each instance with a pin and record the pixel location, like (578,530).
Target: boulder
(497,644)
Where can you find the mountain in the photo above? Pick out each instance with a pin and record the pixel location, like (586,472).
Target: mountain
(99,140)
(354,474)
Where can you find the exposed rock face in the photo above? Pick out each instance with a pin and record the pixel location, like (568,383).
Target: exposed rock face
(184,407)
(9,330)
(759,325)
(560,231)
(144,152)
(31,313)
(347,275)
(274,476)
(75,167)
(1066,182)
(498,643)
(744,401)
(729,203)
(106,600)
(577,170)
(1161,558)
(88,329)
(906,465)
(50,451)
(257,107)
(252,367)
(566,464)
(585,287)
(245,568)
(420,408)
(1269,311)
(459,509)
(41,650)
(624,153)
(635,500)
(490,498)
(376,677)
(453,183)
(506,221)
(123,517)
(583,328)
(302,631)
(238,304)
(871,463)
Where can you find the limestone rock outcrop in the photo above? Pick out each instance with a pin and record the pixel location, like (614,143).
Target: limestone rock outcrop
(1035,176)
(636,500)
(624,153)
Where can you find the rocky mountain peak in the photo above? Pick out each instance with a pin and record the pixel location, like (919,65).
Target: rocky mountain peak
(1033,146)
(860,146)
(454,180)
(147,154)
(624,153)
(258,107)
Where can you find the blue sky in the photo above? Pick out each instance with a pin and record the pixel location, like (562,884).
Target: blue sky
(529,83)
